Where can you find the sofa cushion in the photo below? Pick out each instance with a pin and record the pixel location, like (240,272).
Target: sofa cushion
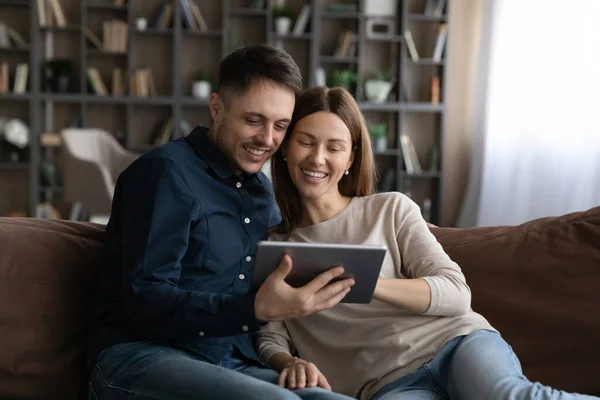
(45,271)
(539,284)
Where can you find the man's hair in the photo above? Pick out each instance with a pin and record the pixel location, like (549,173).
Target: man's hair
(249,64)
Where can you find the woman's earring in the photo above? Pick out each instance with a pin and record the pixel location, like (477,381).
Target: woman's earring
(346,172)
(285,159)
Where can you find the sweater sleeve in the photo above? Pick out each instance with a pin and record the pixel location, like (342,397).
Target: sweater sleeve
(423,257)
(271,339)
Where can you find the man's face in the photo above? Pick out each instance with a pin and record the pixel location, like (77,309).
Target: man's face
(249,127)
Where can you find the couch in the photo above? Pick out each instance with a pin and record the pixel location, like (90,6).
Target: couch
(537,283)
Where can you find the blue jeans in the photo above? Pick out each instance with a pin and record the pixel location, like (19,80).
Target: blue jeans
(473,367)
(145,370)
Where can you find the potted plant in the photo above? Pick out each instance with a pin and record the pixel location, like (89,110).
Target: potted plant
(201,87)
(377,90)
(344,78)
(282,15)
(379,134)
(58,75)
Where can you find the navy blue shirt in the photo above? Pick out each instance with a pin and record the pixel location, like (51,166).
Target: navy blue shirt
(179,251)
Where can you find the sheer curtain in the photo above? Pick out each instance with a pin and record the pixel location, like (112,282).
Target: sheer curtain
(537,152)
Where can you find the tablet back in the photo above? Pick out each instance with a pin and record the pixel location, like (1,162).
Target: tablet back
(362,262)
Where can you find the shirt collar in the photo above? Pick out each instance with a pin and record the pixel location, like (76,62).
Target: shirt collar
(214,157)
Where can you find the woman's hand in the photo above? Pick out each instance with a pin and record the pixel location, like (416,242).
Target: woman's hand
(299,374)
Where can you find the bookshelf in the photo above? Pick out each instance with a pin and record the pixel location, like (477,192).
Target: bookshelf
(173,54)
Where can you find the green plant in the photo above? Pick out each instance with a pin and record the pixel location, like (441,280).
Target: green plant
(378,130)
(202,76)
(344,78)
(282,12)
(383,75)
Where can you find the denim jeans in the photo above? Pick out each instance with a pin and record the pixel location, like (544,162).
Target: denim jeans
(479,366)
(146,370)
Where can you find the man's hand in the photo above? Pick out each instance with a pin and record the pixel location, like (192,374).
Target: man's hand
(300,374)
(277,301)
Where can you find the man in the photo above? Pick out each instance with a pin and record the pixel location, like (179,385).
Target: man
(174,315)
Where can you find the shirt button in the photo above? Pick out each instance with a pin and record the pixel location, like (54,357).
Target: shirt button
(238,185)
(248,258)
(201,334)
(247,220)
(242,276)
(245,328)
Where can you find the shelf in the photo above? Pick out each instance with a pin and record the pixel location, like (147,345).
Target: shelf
(106,7)
(248,12)
(14,166)
(388,152)
(95,99)
(426,18)
(13,3)
(421,107)
(154,101)
(63,97)
(424,174)
(291,36)
(207,34)
(340,15)
(397,107)
(98,52)
(191,101)
(338,60)
(428,61)
(15,96)
(58,29)
(390,107)
(152,31)
(23,50)
(388,39)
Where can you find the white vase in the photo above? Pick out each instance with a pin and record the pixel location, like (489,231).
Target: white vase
(377,91)
(201,89)
(381,8)
(283,25)
(380,144)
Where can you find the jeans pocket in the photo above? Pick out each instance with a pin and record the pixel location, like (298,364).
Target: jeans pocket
(113,359)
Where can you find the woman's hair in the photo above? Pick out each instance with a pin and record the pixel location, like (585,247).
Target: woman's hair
(361,178)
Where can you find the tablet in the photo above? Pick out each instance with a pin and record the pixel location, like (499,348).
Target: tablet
(361,262)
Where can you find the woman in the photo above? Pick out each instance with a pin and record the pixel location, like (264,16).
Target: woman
(418,338)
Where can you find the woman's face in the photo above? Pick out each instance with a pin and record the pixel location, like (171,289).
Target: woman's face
(318,152)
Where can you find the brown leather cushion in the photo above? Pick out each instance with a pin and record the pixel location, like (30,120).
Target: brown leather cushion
(45,271)
(539,285)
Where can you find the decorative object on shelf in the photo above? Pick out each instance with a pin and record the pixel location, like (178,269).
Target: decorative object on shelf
(343,7)
(380,15)
(377,90)
(58,75)
(379,134)
(388,183)
(141,24)
(15,132)
(14,135)
(201,87)
(282,16)
(433,158)
(258,4)
(427,210)
(344,78)
(381,8)
(378,28)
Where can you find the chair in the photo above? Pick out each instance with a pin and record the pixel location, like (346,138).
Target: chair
(93,160)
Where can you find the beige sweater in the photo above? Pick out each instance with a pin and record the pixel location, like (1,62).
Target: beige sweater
(361,347)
